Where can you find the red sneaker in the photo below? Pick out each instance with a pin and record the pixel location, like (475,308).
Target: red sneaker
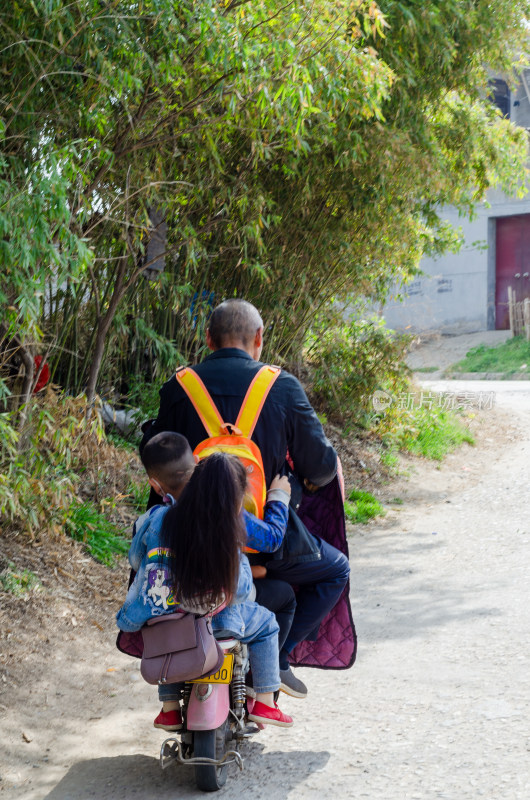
(270,716)
(169,720)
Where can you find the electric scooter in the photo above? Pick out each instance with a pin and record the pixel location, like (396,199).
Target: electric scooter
(214,711)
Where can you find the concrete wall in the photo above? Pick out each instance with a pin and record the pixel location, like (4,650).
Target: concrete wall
(457,291)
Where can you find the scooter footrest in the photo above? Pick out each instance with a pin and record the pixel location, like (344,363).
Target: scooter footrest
(171,750)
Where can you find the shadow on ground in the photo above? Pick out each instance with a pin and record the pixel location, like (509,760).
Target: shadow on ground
(270,775)
(408,603)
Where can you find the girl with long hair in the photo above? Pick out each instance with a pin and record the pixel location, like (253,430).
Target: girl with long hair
(205,532)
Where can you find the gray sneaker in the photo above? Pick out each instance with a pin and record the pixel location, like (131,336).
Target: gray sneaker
(292,685)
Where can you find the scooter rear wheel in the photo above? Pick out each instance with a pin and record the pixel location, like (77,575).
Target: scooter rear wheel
(211,744)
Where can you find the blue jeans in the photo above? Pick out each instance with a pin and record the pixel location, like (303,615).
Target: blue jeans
(278,597)
(170,692)
(257,628)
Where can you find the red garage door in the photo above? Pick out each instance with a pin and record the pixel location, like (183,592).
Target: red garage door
(512,264)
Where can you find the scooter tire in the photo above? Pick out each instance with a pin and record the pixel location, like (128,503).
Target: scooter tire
(210,744)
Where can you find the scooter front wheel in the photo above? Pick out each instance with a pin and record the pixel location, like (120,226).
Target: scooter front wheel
(211,744)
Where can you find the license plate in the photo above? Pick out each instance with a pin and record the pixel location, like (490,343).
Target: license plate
(223,674)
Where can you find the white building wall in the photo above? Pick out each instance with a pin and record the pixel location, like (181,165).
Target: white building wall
(456,292)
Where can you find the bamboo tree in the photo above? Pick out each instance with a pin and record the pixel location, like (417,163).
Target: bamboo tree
(299,152)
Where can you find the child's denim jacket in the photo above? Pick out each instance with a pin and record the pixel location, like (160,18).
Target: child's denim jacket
(151,594)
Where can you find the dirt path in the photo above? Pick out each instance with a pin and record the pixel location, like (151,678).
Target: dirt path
(436,706)
(435,351)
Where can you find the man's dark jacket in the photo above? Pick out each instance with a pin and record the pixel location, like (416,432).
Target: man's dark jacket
(287,423)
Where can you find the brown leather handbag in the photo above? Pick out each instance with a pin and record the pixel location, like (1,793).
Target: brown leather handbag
(179,647)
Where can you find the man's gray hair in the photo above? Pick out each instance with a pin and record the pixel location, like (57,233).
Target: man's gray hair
(234,320)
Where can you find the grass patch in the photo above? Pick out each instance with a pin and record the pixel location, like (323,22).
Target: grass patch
(101,537)
(139,495)
(122,442)
(426,369)
(397,501)
(389,458)
(509,357)
(429,432)
(17,581)
(362,506)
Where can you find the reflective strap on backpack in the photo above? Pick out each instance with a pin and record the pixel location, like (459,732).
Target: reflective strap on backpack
(201,400)
(207,410)
(255,397)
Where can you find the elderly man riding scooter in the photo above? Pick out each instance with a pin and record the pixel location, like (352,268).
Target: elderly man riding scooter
(292,441)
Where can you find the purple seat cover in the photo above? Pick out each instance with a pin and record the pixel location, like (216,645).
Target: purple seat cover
(336,643)
(130,643)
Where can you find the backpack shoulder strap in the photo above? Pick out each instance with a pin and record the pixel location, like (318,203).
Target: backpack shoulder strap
(200,399)
(255,397)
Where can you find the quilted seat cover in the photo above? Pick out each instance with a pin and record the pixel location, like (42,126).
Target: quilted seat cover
(336,644)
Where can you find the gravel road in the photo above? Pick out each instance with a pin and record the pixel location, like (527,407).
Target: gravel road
(437,703)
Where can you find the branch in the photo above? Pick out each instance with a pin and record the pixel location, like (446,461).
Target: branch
(168,120)
(95,287)
(266,21)
(54,59)
(106,217)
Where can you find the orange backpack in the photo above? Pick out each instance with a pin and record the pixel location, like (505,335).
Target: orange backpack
(233,438)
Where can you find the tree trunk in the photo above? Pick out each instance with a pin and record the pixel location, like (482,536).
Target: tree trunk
(23,400)
(103,326)
(25,397)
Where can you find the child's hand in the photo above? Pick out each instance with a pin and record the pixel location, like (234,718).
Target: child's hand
(281,483)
